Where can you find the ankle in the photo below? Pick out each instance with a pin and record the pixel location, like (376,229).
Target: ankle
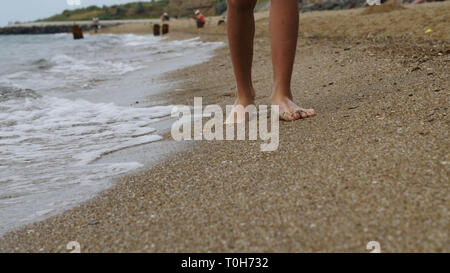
(278,96)
(281,93)
(245,96)
(245,100)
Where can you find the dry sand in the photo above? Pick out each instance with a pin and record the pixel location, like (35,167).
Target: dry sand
(372,165)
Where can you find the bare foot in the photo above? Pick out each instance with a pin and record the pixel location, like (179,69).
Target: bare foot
(238,113)
(289,111)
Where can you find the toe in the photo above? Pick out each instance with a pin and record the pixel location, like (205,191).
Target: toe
(296,116)
(291,116)
(305,113)
(287,116)
(302,113)
(311,112)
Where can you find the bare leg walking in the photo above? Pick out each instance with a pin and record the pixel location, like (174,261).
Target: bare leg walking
(284,31)
(241,32)
(284,20)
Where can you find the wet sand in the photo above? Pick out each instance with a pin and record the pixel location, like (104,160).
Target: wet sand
(373,164)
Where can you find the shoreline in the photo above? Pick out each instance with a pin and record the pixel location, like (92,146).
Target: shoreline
(147,83)
(370,166)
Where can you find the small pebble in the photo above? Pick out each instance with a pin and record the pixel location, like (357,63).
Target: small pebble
(93,223)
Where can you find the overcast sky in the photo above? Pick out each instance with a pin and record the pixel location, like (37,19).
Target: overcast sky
(30,10)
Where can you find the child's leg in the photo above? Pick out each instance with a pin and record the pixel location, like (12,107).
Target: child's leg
(241,32)
(284,20)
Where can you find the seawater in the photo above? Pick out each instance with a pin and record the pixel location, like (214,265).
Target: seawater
(64,104)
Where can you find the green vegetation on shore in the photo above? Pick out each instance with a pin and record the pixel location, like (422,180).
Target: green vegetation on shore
(134,10)
(220,6)
(142,10)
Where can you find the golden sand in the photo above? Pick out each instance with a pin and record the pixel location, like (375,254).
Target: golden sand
(371,166)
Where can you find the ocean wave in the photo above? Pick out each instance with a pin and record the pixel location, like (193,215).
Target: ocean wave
(51,145)
(10,92)
(69,65)
(42,64)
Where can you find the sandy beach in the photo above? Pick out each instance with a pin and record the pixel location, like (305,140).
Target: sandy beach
(372,165)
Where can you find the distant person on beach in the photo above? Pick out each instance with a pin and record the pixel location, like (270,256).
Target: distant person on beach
(96,24)
(221,21)
(284,23)
(201,21)
(165,17)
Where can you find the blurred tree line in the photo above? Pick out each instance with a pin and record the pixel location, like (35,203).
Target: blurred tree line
(134,10)
(142,10)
